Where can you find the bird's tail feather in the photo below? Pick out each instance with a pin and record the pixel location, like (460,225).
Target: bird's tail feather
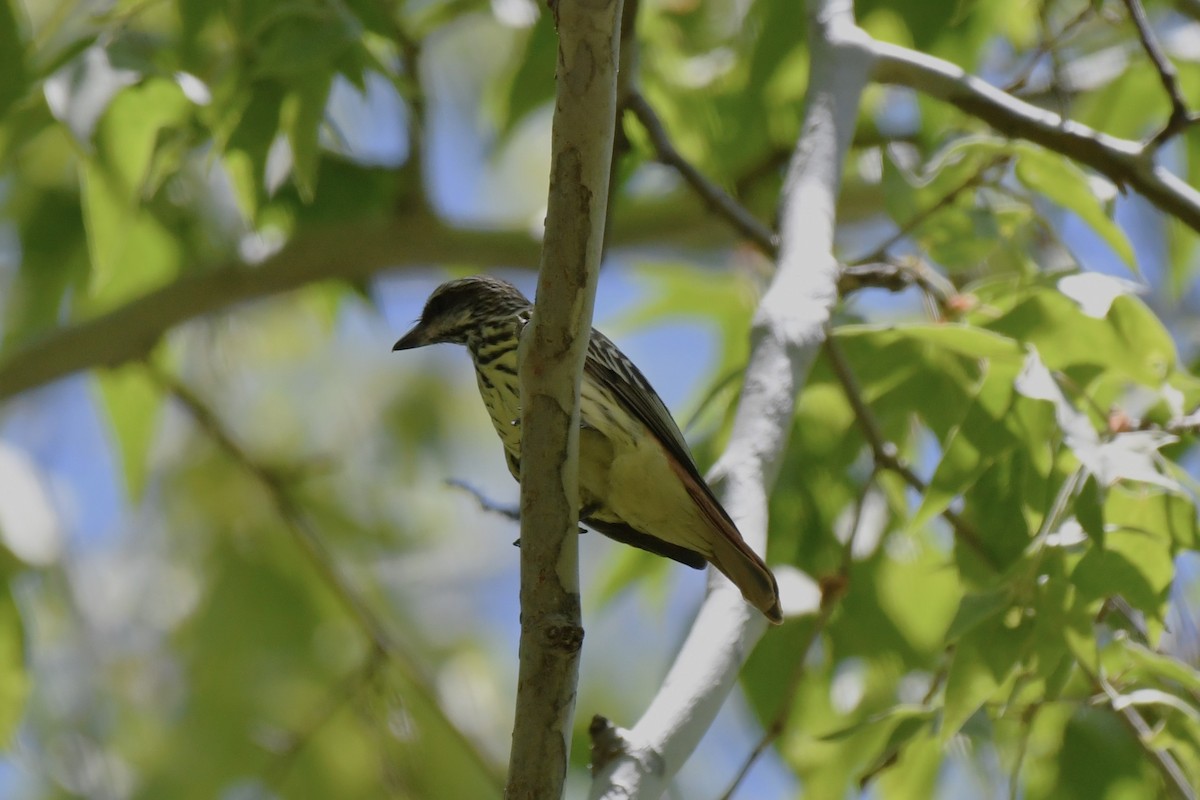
(741,565)
(734,558)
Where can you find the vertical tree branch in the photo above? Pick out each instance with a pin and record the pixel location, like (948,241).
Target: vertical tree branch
(553,348)
(788,331)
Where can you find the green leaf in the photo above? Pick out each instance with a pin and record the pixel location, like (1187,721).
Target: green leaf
(970,683)
(132,402)
(973,445)
(1136,565)
(53,264)
(302,44)
(1089,510)
(1130,342)
(14,676)
(129,132)
(246,139)
(965,340)
(13,73)
(301,116)
(1163,666)
(897,716)
(131,251)
(1101,758)
(977,607)
(1058,178)
(529,83)
(627,567)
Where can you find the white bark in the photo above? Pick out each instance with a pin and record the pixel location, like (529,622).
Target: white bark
(1124,162)
(788,331)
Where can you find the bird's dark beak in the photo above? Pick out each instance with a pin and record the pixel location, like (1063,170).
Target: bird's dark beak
(414,338)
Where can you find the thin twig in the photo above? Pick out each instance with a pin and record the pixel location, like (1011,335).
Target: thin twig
(885,452)
(1180,116)
(345,691)
(1172,774)
(922,216)
(713,195)
(896,275)
(487,504)
(869,272)
(1046,45)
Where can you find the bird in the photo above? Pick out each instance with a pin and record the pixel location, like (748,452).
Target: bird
(638,482)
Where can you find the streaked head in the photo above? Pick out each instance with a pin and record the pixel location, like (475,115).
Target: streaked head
(457,309)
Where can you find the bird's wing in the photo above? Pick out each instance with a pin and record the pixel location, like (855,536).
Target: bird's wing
(644,541)
(613,372)
(609,368)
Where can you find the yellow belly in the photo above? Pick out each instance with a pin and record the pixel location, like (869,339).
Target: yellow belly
(625,475)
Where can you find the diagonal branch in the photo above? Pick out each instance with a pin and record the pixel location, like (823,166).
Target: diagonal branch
(713,195)
(305,535)
(787,333)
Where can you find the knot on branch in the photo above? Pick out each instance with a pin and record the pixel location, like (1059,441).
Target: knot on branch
(565,637)
(610,742)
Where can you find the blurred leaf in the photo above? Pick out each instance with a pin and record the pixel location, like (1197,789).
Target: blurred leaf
(253,126)
(529,81)
(53,266)
(301,116)
(302,43)
(982,662)
(14,677)
(13,74)
(132,402)
(975,608)
(626,567)
(129,131)
(1099,757)
(1164,666)
(132,252)
(1136,565)
(1089,510)
(1060,180)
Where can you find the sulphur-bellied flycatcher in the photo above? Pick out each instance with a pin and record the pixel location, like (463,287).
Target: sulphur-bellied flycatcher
(638,483)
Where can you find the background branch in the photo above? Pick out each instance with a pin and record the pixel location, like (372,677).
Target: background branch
(415,238)
(306,537)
